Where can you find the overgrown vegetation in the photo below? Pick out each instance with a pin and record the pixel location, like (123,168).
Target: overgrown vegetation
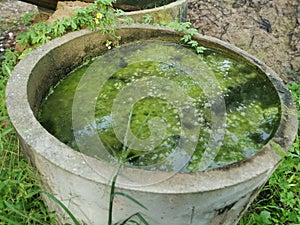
(99,15)
(278,203)
(20,195)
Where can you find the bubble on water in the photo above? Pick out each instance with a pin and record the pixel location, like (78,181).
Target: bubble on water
(207,105)
(201,119)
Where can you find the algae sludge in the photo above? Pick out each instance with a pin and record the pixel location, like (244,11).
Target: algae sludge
(153,101)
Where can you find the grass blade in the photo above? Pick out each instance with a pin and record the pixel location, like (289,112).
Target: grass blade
(131,220)
(131,199)
(111,199)
(6,131)
(10,222)
(76,222)
(12,208)
(140,216)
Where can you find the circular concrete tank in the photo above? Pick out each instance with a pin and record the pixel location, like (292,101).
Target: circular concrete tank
(218,196)
(172,11)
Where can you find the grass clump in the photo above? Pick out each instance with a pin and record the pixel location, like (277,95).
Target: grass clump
(20,195)
(278,202)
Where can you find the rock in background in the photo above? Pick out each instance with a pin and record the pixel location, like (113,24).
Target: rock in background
(267,29)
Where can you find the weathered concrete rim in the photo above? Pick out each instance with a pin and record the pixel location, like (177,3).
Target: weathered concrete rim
(40,141)
(175,10)
(172,4)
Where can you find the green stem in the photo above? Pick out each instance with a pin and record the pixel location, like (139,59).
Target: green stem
(112,196)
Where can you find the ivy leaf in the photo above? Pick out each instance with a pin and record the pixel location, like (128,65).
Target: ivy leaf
(200,49)
(193,43)
(186,38)
(192,31)
(74,25)
(66,22)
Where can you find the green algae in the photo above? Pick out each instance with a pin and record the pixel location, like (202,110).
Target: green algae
(252,108)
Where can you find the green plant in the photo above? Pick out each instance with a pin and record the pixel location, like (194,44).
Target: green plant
(28,18)
(57,201)
(20,195)
(99,15)
(278,202)
(37,35)
(188,34)
(133,217)
(11,59)
(148,19)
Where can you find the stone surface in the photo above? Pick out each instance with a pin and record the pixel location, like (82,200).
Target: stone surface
(14,10)
(66,10)
(269,30)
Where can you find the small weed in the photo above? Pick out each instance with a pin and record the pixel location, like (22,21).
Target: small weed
(11,59)
(148,19)
(185,28)
(28,18)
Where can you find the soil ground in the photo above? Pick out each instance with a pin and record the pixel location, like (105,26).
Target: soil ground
(267,29)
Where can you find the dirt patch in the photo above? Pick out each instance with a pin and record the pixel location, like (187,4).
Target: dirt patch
(269,30)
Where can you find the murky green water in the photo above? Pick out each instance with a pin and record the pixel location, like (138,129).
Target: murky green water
(251,117)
